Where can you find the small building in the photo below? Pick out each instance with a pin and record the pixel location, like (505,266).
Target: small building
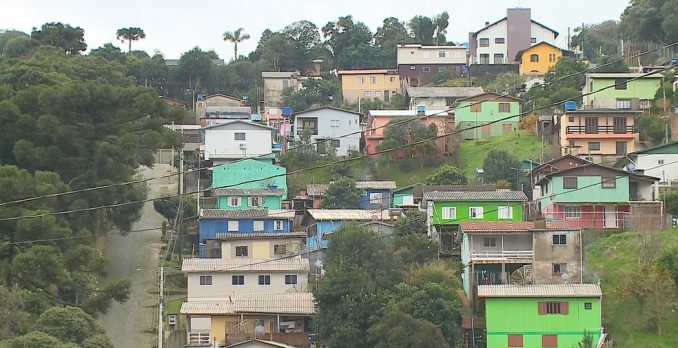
(379,84)
(275,82)
(375,194)
(218,106)
(659,161)
(481,109)
(536,60)
(404,198)
(321,222)
(237,139)
(627,94)
(541,315)
(552,166)
(249,183)
(439,97)
(417,64)
(330,127)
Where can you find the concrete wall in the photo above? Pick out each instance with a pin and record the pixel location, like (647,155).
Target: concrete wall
(249,170)
(652,164)
(490,209)
(221,143)
(410,54)
(355,86)
(349,123)
(546,254)
(643,88)
(222,284)
(261,249)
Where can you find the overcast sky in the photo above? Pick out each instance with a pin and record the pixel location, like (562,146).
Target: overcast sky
(173,27)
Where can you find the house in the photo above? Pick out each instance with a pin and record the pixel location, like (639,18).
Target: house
(481,109)
(275,82)
(439,97)
(597,196)
(217,225)
(330,126)
(322,222)
(410,197)
(500,42)
(403,197)
(537,59)
(560,163)
(381,84)
(541,315)
(417,64)
(238,139)
(375,194)
(635,95)
(516,252)
(249,183)
(378,119)
(217,106)
(659,161)
(598,135)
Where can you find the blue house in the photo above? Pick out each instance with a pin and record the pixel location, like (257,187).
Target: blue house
(375,194)
(215,223)
(322,222)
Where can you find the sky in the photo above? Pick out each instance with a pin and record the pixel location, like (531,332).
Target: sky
(174,27)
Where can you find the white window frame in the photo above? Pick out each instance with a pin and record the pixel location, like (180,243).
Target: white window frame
(233,225)
(292,277)
(477,211)
(265,277)
(623,104)
(449,212)
(361,80)
(256,201)
(572,211)
(205,280)
(335,123)
(376,198)
(505,212)
(278,225)
(258,226)
(373,80)
(377,94)
(240,136)
(368,93)
(234,201)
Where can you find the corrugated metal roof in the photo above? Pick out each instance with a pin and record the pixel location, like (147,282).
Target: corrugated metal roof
(419,189)
(301,303)
(319,189)
(247,192)
(408,113)
(498,195)
(624,75)
(443,92)
(247,213)
(279,74)
(367,71)
(496,226)
(259,235)
(540,290)
(348,214)
(244,264)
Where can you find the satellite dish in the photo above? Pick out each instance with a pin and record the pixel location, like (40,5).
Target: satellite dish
(631,167)
(522,276)
(565,277)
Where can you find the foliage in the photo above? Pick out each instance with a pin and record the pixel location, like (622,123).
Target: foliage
(236,37)
(109,52)
(129,35)
(429,31)
(587,341)
(391,33)
(413,223)
(33,339)
(341,194)
(14,44)
(597,40)
(670,199)
(398,329)
(652,128)
(503,184)
(303,154)
(651,20)
(344,34)
(68,324)
(611,64)
(501,165)
(508,83)
(446,175)
(314,93)
(411,137)
(411,244)
(13,317)
(70,39)
(168,208)
(667,260)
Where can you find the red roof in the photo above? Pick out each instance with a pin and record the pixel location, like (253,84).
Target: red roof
(497,226)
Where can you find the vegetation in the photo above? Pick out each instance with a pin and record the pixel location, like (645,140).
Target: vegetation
(446,175)
(129,35)
(236,37)
(341,194)
(501,165)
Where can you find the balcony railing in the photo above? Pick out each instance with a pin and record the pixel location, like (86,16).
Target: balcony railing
(506,254)
(600,130)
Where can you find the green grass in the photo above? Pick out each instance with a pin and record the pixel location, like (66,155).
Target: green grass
(612,259)
(408,171)
(521,144)
(173,306)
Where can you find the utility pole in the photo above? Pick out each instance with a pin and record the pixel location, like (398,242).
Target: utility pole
(568,38)
(160,304)
(583,47)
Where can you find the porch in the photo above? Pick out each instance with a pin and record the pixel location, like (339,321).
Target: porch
(626,216)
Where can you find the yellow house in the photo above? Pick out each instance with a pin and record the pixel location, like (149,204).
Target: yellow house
(367,84)
(537,59)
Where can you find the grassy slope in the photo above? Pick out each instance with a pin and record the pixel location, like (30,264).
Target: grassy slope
(408,171)
(611,259)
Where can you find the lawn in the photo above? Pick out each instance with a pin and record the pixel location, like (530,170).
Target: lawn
(407,171)
(173,306)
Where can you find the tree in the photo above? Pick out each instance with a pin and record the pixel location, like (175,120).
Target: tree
(129,35)
(422,29)
(14,44)
(236,37)
(446,175)
(667,260)
(70,39)
(597,40)
(397,329)
(13,317)
(341,194)
(68,324)
(345,33)
(652,128)
(441,22)
(670,199)
(388,36)
(507,83)
(501,165)
(110,52)
(650,20)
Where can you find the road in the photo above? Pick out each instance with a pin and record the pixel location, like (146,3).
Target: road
(130,324)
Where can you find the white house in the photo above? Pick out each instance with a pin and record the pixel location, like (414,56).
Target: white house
(331,127)
(237,139)
(659,161)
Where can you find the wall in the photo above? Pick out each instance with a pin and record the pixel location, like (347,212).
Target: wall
(385,199)
(489,211)
(588,187)
(270,202)
(273,88)
(201,105)
(400,196)
(422,74)
(350,123)
(511,242)
(429,102)
(608,148)
(429,55)
(316,242)
(210,227)
(352,89)
(260,249)
(528,67)
(524,319)
(644,88)
(499,30)
(248,170)
(222,284)
(667,172)
(546,254)
(221,143)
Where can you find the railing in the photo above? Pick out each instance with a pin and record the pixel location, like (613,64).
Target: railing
(600,130)
(506,254)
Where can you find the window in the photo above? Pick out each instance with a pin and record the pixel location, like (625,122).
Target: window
(286,83)
(290,279)
(571,143)
(413,67)
(264,279)
(624,104)
(239,136)
(278,225)
(308,123)
(570,182)
(504,107)
(426,69)
(368,93)
(205,280)
(335,123)
(258,226)
(588,306)
(373,80)
(376,198)
(591,125)
(476,107)
(498,58)
(549,341)
(449,212)
(279,249)
(377,94)
(485,58)
(534,58)
(391,79)
(572,211)
(553,308)
(336,142)
(238,279)
(241,250)
(570,119)
(361,80)
(559,268)
(442,54)
(620,84)
(442,69)
(594,146)
(608,182)
(476,212)
(499,40)
(489,241)
(533,40)
(660,161)
(233,226)
(234,201)
(505,212)
(620,147)
(559,239)
(484,42)
(256,201)
(644,104)
(515,341)
(552,57)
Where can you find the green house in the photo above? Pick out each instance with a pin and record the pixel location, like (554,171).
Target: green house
(615,91)
(487,107)
(453,207)
(541,315)
(403,197)
(249,184)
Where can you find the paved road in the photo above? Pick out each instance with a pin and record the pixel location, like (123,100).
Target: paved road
(136,256)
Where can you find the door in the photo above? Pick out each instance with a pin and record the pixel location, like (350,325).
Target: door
(387,96)
(620,148)
(591,125)
(610,220)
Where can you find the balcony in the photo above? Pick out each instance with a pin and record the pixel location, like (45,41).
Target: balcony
(506,255)
(600,130)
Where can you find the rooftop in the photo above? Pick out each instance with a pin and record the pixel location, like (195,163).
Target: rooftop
(624,75)
(299,303)
(348,214)
(498,195)
(279,74)
(493,226)
(247,213)
(443,92)
(407,113)
(259,235)
(540,290)
(226,191)
(367,71)
(245,264)
(319,189)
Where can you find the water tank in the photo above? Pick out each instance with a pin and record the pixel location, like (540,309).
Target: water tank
(570,106)
(421,108)
(286,110)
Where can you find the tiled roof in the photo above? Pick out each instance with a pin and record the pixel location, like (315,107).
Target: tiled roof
(419,189)
(316,189)
(260,235)
(247,192)
(348,214)
(300,303)
(443,92)
(498,195)
(247,213)
(279,74)
(408,113)
(319,189)
(496,226)
(244,264)
(540,290)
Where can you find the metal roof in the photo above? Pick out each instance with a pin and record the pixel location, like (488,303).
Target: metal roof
(419,189)
(408,113)
(226,191)
(259,235)
(247,213)
(443,92)
(498,195)
(367,71)
(245,264)
(279,74)
(299,303)
(540,290)
(348,214)
(496,226)
(624,75)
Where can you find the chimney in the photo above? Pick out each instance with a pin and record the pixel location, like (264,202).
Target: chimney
(487,24)
(519,33)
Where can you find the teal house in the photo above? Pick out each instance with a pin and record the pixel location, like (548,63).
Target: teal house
(618,91)
(541,315)
(403,197)
(249,184)
(487,107)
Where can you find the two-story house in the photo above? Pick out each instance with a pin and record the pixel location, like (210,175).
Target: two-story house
(417,64)
(330,127)
(542,315)
(218,106)
(598,135)
(375,194)
(440,98)
(597,196)
(500,42)
(560,163)
(481,109)
(659,161)
(275,82)
(237,139)
(381,84)
(249,184)
(538,59)
(618,91)
(321,222)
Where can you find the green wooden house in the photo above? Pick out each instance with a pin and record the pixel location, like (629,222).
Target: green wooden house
(487,107)
(249,184)
(541,315)
(403,197)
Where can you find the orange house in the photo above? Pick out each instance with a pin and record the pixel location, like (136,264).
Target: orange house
(538,59)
